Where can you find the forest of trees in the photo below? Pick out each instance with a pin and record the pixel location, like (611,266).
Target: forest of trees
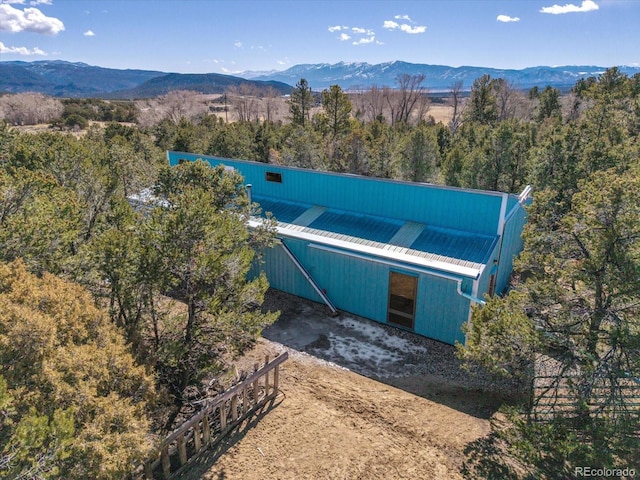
(110,316)
(159,293)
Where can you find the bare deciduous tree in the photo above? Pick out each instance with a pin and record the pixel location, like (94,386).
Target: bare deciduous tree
(174,106)
(270,103)
(369,103)
(245,101)
(505,99)
(183,104)
(30,108)
(409,97)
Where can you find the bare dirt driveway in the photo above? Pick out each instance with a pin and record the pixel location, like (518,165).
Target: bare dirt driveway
(358,400)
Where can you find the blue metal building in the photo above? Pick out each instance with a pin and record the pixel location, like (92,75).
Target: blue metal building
(412,255)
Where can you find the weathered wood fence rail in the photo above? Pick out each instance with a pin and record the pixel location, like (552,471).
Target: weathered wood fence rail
(554,396)
(210,425)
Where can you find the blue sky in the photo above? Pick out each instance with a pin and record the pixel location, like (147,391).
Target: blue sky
(231,36)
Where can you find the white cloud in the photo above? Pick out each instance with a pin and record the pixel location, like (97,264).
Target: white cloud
(391,25)
(585,6)
(507,19)
(365,41)
(89,33)
(41,2)
(362,35)
(409,29)
(237,44)
(20,50)
(28,20)
(363,31)
(403,17)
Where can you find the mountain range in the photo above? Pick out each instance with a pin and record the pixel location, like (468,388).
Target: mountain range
(66,79)
(438,78)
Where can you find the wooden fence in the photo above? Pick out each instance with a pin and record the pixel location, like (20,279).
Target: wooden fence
(214,421)
(559,397)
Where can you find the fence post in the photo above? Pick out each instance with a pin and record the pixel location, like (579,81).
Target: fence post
(245,407)
(223,416)
(266,378)
(197,440)
(182,449)
(255,385)
(166,463)
(206,429)
(148,472)
(276,380)
(234,408)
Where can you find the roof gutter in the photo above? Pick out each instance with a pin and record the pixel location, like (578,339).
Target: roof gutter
(389,255)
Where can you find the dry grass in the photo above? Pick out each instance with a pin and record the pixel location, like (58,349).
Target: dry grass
(441,113)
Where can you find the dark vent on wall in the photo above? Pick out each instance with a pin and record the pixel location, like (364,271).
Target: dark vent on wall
(274,177)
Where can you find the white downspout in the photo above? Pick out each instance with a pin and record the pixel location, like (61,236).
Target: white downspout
(472,298)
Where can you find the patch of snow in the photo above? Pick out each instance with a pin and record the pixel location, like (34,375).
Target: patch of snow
(306,357)
(359,353)
(373,333)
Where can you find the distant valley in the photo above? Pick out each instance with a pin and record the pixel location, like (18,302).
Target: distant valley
(65,79)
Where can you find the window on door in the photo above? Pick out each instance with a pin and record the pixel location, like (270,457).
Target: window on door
(401,308)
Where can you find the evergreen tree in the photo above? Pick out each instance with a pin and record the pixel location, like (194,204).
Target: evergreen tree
(300,103)
(482,106)
(203,251)
(337,110)
(75,402)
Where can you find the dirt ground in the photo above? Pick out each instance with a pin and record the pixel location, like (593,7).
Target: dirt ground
(358,400)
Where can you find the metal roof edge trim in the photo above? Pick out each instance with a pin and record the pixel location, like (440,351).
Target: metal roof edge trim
(376,252)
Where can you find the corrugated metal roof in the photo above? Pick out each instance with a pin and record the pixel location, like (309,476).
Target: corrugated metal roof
(355,225)
(454,244)
(446,249)
(282,210)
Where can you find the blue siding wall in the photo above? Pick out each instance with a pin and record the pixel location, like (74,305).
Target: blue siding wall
(466,210)
(361,287)
(440,311)
(352,284)
(511,246)
(284,275)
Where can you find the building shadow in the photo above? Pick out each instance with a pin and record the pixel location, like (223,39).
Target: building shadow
(418,365)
